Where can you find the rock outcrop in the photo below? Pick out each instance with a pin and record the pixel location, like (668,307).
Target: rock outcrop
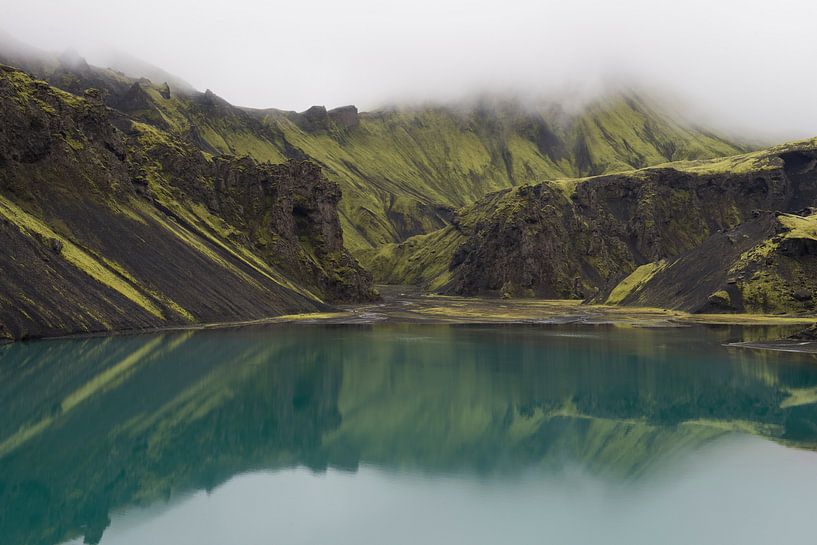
(725,236)
(345,117)
(109,223)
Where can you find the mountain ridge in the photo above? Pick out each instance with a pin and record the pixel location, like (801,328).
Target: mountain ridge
(490,197)
(114,224)
(403,170)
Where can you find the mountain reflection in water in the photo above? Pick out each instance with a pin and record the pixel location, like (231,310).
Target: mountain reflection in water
(96,427)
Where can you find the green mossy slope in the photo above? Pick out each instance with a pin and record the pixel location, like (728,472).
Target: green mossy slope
(403,170)
(733,234)
(114,224)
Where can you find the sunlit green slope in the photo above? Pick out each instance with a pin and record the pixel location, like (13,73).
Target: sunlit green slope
(723,235)
(403,171)
(109,223)
(401,168)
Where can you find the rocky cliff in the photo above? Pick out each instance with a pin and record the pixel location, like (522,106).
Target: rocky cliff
(735,234)
(111,223)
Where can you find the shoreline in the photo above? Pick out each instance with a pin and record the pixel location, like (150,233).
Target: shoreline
(409,306)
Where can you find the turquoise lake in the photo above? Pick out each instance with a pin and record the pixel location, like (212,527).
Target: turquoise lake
(408,434)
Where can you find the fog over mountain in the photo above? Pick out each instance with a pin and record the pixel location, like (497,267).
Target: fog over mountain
(153,174)
(743,65)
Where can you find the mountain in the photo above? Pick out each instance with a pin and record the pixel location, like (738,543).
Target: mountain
(403,171)
(134,67)
(615,201)
(109,223)
(725,235)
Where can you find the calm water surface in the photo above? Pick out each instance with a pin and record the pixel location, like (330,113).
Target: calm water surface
(412,434)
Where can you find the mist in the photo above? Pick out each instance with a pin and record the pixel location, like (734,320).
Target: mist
(742,66)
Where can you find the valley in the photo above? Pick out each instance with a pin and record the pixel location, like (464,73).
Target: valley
(132,204)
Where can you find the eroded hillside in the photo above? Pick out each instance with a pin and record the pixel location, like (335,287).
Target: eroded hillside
(737,234)
(110,223)
(435,196)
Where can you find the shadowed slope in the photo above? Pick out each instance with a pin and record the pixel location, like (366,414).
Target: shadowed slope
(113,224)
(707,236)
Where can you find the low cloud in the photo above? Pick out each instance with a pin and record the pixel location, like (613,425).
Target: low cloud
(746,66)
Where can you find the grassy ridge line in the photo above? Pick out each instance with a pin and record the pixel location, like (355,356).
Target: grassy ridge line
(397,167)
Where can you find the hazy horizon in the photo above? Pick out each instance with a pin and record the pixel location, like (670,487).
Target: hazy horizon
(739,66)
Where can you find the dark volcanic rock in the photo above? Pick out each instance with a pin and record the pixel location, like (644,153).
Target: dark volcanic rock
(799,247)
(314,119)
(345,117)
(802,294)
(540,241)
(112,225)
(317,118)
(704,233)
(298,206)
(698,280)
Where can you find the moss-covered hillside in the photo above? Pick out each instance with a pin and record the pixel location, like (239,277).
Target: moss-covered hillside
(442,196)
(733,234)
(111,223)
(402,171)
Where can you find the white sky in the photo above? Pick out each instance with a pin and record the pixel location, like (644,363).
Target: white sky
(751,64)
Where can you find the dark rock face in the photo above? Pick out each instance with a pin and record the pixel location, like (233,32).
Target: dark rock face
(803,294)
(109,224)
(543,241)
(345,117)
(298,206)
(799,247)
(514,256)
(547,142)
(317,118)
(540,241)
(314,119)
(134,99)
(705,278)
